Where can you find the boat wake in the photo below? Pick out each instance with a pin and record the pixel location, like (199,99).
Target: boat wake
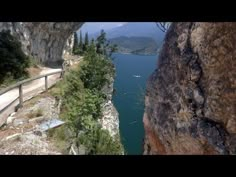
(133,122)
(136,76)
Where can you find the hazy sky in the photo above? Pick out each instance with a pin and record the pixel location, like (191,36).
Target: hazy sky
(93,27)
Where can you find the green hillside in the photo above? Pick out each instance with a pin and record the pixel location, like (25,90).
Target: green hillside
(136,45)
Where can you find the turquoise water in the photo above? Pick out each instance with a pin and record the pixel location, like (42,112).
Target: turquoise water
(129,97)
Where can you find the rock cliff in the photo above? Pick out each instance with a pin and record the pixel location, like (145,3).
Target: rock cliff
(46,41)
(190,98)
(110,116)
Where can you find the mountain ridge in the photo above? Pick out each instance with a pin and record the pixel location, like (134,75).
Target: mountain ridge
(132,29)
(135,45)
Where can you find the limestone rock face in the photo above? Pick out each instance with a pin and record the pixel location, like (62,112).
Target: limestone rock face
(46,41)
(191,96)
(110,116)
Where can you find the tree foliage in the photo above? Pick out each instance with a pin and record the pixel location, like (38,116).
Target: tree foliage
(80,40)
(81,90)
(86,42)
(82,98)
(76,44)
(103,45)
(13,60)
(97,71)
(100,142)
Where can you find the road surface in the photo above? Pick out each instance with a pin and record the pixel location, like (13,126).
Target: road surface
(29,89)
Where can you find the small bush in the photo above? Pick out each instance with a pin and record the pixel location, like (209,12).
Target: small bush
(60,137)
(33,62)
(33,114)
(99,142)
(94,73)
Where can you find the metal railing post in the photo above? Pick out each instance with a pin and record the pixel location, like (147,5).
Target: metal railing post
(20,96)
(46,83)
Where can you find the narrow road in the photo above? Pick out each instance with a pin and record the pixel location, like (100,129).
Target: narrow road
(30,88)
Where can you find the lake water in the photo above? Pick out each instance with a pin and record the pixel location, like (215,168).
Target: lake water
(132,72)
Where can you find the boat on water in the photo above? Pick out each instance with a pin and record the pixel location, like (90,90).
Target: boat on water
(136,76)
(133,122)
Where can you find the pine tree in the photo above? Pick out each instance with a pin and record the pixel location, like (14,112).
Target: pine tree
(93,42)
(100,42)
(80,40)
(92,47)
(86,42)
(101,39)
(104,46)
(75,47)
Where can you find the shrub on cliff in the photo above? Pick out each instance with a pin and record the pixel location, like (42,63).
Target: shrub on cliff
(103,46)
(13,61)
(79,103)
(97,70)
(82,98)
(99,142)
(82,109)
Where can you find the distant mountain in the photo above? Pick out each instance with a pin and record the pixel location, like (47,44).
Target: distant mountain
(136,29)
(95,27)
(135,45)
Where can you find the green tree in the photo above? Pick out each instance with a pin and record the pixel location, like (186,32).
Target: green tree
(92,42)
(80,40)
(101,39)
(103,45)
(76,45)
(13,60)
(94,73)
(100,42)
(92,48)
(86,42)
(112,49)
(82,100)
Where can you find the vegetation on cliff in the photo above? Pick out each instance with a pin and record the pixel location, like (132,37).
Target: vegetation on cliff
(81,47)
(82,97)
(13,61)
(101,45)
